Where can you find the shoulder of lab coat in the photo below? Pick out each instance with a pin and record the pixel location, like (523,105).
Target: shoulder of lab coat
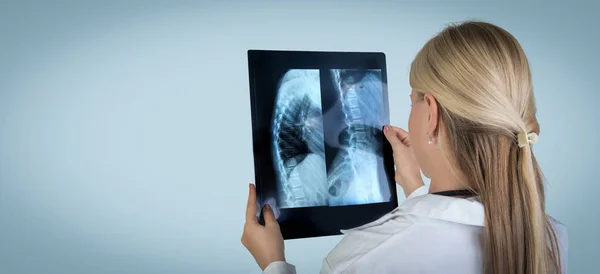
(409,237)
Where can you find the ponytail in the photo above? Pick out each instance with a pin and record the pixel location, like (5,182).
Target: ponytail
(545,241)
(543,259)
(509,183)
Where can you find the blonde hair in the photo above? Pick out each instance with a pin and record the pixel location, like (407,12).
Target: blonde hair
(480,78)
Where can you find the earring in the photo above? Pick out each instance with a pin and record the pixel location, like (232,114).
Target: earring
(430,141)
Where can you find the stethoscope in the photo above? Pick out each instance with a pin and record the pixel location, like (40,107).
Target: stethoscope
(459,192)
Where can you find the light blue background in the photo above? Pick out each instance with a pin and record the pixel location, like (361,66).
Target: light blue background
(125,134)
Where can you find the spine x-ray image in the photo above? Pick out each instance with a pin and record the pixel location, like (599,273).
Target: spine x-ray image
(326,138)
(354,175)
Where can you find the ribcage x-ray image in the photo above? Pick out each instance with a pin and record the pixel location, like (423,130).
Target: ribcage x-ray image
(298,148)
(337,165)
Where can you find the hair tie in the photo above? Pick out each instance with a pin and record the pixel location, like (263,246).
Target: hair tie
(530,138)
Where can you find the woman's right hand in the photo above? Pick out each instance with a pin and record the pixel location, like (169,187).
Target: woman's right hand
(408,173)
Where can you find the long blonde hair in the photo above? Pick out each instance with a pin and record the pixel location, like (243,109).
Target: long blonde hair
(480,77)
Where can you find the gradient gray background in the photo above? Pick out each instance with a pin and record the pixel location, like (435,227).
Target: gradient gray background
(125,132)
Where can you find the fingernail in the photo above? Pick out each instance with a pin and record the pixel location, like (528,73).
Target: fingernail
(267,207)
(386,128)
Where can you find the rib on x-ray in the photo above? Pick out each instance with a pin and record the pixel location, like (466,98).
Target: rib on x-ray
(353,177)
(298,147)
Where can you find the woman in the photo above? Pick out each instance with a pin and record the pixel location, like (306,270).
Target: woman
(471,129)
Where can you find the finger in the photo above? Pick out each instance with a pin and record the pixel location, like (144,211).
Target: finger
(391,136)
(269,216)
(251,207)
(402,134)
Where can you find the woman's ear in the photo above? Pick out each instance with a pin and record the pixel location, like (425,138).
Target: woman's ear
(432,120)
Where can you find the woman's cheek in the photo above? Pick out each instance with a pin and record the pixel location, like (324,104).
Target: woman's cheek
(413,132)
(411,124)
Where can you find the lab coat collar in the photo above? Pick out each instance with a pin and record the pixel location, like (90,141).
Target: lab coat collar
(458,210)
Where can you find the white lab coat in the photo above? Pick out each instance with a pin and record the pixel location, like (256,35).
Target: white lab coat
(426,234)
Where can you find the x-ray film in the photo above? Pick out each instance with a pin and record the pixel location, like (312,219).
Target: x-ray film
(321,159)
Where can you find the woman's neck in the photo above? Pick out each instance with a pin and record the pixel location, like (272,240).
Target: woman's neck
(445,181)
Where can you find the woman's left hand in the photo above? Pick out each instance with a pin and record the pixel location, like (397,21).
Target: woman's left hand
(265,243)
